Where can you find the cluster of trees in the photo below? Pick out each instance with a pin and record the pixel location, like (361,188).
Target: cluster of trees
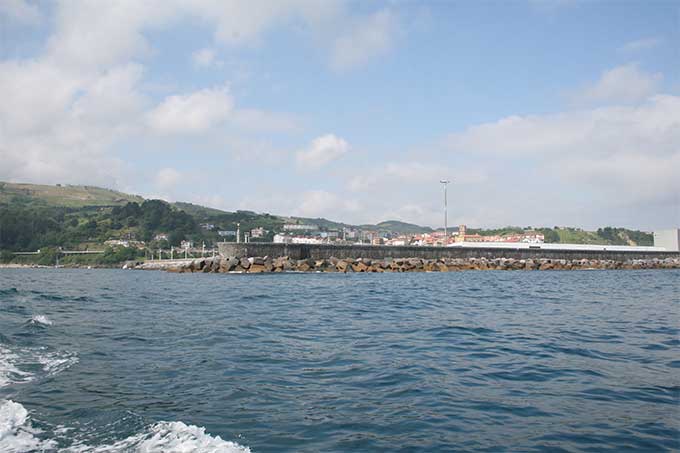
(620,236)
(155,216)
(29,227)
(607,235)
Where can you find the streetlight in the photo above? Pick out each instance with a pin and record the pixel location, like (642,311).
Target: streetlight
(445,183)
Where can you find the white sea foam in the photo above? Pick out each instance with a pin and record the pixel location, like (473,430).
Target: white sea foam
(9,372)
(13,359)
(56,362)
(16,433)
(41,319)
(166,437)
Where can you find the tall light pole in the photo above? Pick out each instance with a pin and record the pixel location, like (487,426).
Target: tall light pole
(445,183)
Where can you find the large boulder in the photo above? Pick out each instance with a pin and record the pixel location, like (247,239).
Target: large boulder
(304,266)
(256,268)
(229,264)
(359,266)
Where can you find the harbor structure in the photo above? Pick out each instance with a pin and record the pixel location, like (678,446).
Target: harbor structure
(668,239)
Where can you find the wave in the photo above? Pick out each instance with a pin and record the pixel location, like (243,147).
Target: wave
(14,361)
(9,372)
(41,319)
(166,437)
(18,435)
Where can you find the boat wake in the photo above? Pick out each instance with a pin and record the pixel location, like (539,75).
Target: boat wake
(19,435)
(16,433)
(166,437)
(21,365)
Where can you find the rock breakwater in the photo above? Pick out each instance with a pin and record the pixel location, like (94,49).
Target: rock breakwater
(254,265)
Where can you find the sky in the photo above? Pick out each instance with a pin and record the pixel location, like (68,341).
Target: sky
(541,113)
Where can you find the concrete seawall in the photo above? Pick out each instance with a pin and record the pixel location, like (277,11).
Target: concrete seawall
(377,252)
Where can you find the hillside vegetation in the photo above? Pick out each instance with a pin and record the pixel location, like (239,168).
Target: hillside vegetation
(63,195)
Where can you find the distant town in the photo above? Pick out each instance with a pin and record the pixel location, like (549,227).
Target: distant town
(312,234)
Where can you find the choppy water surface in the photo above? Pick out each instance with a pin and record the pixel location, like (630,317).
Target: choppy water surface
(116,361)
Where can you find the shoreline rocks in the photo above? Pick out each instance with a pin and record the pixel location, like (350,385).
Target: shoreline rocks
(266,264)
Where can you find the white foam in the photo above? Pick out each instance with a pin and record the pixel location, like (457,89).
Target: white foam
(13,359)
(41,319)
(56,362)
(9,373)
(175,437)
(16,433)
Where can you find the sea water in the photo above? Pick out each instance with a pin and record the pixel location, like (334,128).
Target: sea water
(118,361)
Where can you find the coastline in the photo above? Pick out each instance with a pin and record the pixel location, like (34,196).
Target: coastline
(61,266)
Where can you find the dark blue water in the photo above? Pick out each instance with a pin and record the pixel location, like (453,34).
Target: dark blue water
(472,361)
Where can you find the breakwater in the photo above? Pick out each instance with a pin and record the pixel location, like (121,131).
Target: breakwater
(380,252)
(257,264)
(270,257)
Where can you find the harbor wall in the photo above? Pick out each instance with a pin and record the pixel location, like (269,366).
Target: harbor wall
(326,251)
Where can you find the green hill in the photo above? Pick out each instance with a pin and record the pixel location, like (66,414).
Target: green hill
(63,195)
(397,226)
(198,211)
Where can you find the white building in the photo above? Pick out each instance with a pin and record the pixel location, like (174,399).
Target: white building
(300,227)
(281,239)
(306,240)
(668,239)
(257,232)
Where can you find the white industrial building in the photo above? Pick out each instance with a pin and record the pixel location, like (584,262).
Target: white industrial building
(668,239)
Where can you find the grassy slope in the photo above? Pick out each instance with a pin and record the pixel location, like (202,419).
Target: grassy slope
(198,211)
(402,227)
(63,196)
(575,236)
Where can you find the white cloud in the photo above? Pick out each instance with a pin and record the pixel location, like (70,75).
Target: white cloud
(115,31)
(630,152)
(626,83)
(322,151)
(21,11)
(641,44)
(94,35)
(205,58)
(365,38)
(191,113)
(57,125)
(321,203)
(394,174)
(650,128)
(167,178)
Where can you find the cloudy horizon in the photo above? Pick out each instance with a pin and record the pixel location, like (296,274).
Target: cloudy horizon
(541,112)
